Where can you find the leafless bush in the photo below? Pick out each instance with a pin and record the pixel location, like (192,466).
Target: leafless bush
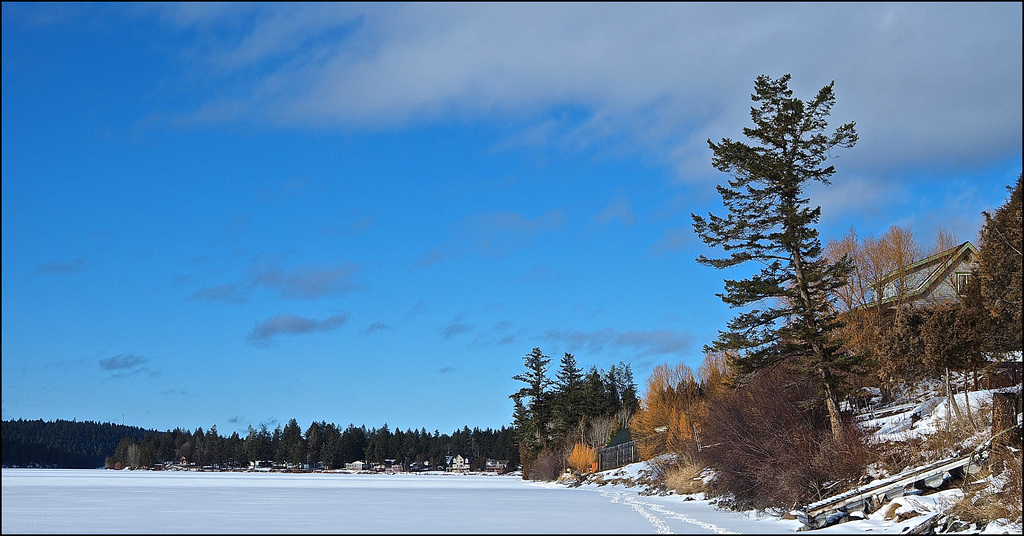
(895,456)
(685,479)
(998,497)
(548,466)
(772,447)
(598,430)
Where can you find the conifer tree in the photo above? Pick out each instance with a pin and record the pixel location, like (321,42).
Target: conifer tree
(627,389)
(568,393)
(293,449)
(1000,271)
(771,223)
(532,411)
(314,443)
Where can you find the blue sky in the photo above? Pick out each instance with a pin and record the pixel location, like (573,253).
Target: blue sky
(238,214)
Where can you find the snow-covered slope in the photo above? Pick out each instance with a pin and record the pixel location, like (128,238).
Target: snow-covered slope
(920,420)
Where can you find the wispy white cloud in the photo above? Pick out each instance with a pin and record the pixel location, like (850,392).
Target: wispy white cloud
(284,324)
(221,293)
(643,342)
(375,327)
(457,326)
(618,209)
(660,78)
(495,234)
(61,267)
(127,365)
(308,282)
(674,239)
(299,283)
(122,362)
(539,275)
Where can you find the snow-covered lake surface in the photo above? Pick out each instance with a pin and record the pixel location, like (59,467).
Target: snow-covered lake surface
(98,501)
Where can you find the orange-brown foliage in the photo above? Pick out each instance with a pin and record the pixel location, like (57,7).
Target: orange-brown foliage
(582,458)
(674,405)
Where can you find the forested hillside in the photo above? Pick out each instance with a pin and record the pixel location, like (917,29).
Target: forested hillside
(71,444)
(60,443)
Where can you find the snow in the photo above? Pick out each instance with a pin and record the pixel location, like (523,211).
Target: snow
(101,501)
(928,417)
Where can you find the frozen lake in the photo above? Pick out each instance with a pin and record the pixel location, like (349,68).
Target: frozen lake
(98,501)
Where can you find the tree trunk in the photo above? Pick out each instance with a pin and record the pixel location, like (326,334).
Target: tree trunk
(1005,407)
(951,402)
(835,419)
(967,407)
(831,399)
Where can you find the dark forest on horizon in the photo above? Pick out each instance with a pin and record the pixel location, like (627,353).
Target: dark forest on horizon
(87,445)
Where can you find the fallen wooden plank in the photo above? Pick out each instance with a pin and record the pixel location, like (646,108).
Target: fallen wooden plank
(868,498)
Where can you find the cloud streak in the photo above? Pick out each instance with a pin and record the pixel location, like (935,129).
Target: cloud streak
(618,209)
(644,342)
(495,234)
(309,282)
(669,75)
(284,324)
(126,365)
(301,283)
(61,267)
(122,362)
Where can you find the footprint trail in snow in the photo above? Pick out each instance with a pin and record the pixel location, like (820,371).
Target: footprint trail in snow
(662,518)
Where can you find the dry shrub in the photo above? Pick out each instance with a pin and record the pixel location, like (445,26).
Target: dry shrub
(771,446)
(679,438)
(685,479)
(548,466)
(582,458)
(660,424)
(714,372)
(983,504)
(896,456)
(598,430)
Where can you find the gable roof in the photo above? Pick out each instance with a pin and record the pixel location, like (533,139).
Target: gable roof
(623,436)
(937,267)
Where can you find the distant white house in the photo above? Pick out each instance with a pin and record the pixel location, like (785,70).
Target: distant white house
(941,278)
(496,466)
(459,463)
(263,466)
(357,466)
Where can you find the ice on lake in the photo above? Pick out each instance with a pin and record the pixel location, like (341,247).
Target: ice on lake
(99,501)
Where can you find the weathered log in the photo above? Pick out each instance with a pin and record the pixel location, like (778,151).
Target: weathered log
(1005,408)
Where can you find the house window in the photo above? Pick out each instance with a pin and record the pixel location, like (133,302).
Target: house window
(961,283)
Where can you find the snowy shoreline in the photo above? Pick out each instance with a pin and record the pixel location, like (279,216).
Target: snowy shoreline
(102,501)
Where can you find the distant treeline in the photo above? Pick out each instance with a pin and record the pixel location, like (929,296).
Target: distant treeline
(72,444)
(65,444)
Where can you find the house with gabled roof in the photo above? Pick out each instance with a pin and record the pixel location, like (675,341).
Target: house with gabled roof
(495,466)
(940,278)
(460,463)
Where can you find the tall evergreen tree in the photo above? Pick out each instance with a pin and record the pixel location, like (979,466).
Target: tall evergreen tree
(1000,272)
(532,406)
(627,389)
(292,447)
(330,452)
(611,389)
(314,443)
(568,393)
(771,223)
(594,396)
